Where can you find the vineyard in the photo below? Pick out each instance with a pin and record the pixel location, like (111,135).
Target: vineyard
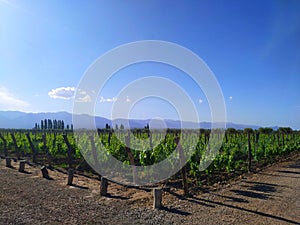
(241,150)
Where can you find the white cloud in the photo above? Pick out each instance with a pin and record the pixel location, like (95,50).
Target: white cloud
(82,96)
(9,102)
(200,101)
(230,98)
(69,93)
(62,93)
(113,99)
(82,92)
(85,98)
(102,99)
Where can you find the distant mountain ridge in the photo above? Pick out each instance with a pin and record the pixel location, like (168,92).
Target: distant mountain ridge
(22,120)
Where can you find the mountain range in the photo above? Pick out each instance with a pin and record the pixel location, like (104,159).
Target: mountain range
(22,120)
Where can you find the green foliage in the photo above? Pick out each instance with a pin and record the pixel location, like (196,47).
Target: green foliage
(266,145)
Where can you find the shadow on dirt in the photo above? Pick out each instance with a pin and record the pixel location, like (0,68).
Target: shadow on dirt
(276,175)
(25,172)
(233,199)
(253,189)
(251,194)
(285,171)
(191,199)
(176,211)
(263,188)
(295,165)
(116,197)
(251,211)
(212,204)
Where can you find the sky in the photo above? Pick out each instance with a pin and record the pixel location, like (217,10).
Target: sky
(252,48)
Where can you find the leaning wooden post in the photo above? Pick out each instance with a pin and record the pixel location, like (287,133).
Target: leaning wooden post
(183,170)
(22,166)
(70,176)
(157,194)
(45,172)
(103,186)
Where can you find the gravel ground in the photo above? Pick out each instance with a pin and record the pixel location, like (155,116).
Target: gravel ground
(271,196)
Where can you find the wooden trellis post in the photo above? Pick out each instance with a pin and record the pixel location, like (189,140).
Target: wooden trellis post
(157,198)
(103,186)
(70,176)
(8,161)
(45,172)
(22,166)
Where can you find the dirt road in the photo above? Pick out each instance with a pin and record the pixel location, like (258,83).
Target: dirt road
(271,196)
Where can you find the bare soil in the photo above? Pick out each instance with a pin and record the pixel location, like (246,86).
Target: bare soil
(270,196)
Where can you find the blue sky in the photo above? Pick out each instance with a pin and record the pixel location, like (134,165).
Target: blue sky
(252,47)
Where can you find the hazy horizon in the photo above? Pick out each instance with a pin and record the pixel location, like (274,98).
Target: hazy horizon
(139,119)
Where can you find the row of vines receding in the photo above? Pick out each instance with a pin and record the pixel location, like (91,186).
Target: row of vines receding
(240,151)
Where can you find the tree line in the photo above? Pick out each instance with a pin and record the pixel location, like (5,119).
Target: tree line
(48,124)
